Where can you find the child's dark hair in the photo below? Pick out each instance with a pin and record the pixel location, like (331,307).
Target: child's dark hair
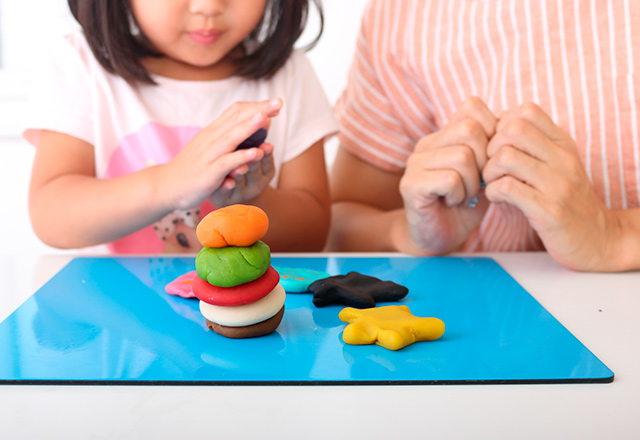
(107,27)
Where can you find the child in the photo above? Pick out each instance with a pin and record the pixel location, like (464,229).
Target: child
(138,119)
(537,99)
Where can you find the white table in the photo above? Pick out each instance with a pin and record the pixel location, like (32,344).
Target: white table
(602,310)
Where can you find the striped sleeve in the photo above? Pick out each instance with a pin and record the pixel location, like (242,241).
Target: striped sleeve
(369,125)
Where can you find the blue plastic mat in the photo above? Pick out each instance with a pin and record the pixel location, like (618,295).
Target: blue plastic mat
(109,321)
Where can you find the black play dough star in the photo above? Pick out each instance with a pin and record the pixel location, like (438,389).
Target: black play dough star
(356,290)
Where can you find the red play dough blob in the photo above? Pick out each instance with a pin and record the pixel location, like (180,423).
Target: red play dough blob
(238,295)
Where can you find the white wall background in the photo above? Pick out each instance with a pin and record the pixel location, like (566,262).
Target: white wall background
(25,28)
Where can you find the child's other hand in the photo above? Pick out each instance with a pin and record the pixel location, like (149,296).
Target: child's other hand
(246,182)
(534,165)
(206,161)
(443,176)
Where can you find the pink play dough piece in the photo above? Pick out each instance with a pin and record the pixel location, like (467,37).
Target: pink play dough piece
(182,286)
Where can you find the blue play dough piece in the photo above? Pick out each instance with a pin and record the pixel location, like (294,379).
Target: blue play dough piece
(297,280)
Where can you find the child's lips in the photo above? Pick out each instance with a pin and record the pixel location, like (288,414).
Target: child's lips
(204,37)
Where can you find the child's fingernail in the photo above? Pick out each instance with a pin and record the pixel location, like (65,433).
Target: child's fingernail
(275,102)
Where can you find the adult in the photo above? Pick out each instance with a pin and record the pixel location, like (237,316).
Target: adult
(538,99)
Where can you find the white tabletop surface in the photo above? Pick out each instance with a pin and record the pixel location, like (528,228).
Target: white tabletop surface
(601,310)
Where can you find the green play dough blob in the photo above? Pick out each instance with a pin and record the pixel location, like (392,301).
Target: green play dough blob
(232,265)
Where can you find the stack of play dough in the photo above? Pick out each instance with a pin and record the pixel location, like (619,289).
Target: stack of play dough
(240,293)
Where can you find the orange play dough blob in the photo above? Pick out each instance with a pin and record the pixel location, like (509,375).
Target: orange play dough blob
(234,225)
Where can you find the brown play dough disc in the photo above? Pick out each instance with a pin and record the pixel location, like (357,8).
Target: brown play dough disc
(248,331)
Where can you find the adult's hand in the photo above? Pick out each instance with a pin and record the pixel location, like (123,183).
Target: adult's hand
(535,165)
(441,186)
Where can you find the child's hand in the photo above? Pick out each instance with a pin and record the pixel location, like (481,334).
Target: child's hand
(206,161)
(443,176)
(535,166)
(246,182)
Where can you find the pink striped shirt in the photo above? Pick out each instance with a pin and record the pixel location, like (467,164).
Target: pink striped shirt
(418,60)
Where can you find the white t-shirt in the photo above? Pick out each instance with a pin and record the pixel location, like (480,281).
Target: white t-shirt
(134,127)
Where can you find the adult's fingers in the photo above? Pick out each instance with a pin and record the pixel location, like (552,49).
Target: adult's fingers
(467,132)
(460,159)
(474,108)
(536,116)
(529,200)
(524,136)
(432,184)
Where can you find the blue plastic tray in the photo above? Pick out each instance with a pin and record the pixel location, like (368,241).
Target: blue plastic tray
(109,321)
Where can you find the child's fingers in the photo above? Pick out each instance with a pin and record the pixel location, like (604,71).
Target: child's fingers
(222,195)
(241,111)
(274,106)
(260,172)
(254,175)
(228,140)
(237,124)
(240,171)
(228,184)
(226,164)
(268,166)
(268,123)
(267,148)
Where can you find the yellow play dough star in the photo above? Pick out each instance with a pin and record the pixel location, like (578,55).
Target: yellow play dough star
(392,327)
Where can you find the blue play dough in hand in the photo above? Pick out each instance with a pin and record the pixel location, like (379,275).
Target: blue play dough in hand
(296,280)
(253,141)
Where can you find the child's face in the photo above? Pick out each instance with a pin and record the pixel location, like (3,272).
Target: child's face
(200,33)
